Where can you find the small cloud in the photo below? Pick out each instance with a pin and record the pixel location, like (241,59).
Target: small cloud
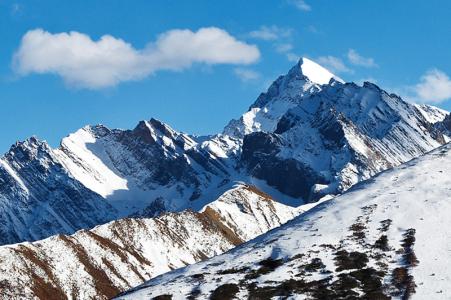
(287,50)
(300,4)
(434,87)
(312,29)
(334,64)
(16,9)
(279,37)
(246,75)
(270,33)
(86,63)
(284,48)
(293,57)
(358,60)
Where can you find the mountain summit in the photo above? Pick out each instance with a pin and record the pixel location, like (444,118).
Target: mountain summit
(316,73)
(308,139)
(305,78)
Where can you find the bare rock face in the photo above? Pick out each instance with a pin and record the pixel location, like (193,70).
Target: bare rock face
(289,176)
(445,125)
(447,122)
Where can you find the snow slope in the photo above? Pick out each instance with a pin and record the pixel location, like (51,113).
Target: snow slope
(133,168)
(100,263)
(385,237)
(316,73)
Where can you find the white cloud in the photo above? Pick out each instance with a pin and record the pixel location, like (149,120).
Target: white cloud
(301,5)
(16,8)
(434,87)
(280,38)
(358,60)
(334,64)
(293,57)
(270,33)
(246,75)
(86,63)
(284,48)
(312,29)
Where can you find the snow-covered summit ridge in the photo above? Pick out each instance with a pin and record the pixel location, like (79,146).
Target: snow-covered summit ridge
(328,137)
(382,239)
(316,73)
(303,79)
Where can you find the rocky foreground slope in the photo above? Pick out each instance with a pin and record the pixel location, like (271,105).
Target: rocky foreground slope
(309,135)
(387,237)
(100,263)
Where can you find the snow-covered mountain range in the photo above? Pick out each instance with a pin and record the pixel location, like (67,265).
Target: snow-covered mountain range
(309,135)
(98,175)
(110,208)
(385,238)
(111,258)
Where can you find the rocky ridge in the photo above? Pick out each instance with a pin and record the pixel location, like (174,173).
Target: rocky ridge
(110,258)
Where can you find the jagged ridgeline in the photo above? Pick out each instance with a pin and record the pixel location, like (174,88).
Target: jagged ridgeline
(116,256)
(309,135)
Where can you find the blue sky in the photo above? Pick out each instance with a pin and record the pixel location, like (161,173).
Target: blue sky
(182,77)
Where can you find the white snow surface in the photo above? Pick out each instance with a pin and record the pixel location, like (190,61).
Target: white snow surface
(317,73)
(94,171)
(415,195)
(110,168)
(431,113)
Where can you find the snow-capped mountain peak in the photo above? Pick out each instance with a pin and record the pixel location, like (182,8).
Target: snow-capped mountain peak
(316,73)
(303,79)
(330,136)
